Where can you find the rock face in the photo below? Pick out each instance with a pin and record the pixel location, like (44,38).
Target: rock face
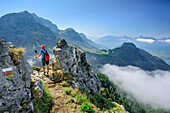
(15,93)
(73,64)
(37,87)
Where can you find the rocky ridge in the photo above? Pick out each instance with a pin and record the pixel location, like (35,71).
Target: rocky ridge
(73,64)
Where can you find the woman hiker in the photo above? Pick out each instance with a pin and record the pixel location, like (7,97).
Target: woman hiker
(45,58)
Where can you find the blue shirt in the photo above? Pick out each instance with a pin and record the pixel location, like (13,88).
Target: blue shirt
(43,53)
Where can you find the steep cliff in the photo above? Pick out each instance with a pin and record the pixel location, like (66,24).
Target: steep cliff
(74,65)
(15,93)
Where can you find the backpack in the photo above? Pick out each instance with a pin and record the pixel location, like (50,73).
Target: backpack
(46,55)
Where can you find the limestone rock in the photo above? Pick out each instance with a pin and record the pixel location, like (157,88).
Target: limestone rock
(62,43)
(55,65)
(56,76)
(72,62)
(14,90)
(37,87)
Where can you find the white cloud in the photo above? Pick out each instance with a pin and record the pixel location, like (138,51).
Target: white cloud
(167,40)
(145,40)
(147,87)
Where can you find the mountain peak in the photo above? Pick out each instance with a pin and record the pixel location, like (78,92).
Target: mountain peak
(26,12)
(70,29)
(18,14)
(128,45)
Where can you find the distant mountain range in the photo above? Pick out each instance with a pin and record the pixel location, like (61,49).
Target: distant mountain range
(30,31)
(158,47)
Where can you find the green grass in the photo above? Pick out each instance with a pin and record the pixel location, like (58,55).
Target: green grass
(67,91)
(85,107)
(85,100)
(44,104)
(64,84)
(81,98)
(74,92)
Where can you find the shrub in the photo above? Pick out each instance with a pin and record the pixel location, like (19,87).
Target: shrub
(100,101)
(67,91)
(17,50)
(86,108)
(15,54)
(64,84)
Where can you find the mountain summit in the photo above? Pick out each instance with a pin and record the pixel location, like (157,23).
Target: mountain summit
(128,54)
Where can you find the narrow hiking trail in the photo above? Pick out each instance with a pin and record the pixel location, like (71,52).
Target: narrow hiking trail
(60,99)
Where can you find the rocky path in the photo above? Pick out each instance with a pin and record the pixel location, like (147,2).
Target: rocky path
(58,94)
(59,98)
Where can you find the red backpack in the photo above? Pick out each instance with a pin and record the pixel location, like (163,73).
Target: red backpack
(46,55)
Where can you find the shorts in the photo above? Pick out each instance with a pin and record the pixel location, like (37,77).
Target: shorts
(44,62)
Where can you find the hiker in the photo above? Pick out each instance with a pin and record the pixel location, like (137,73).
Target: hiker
(45,58)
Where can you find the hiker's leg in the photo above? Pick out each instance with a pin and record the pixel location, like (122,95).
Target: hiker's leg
(44,69)
(43,64)
(47,68)
(47,63)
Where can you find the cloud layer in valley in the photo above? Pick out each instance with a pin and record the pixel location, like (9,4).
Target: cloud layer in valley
(147,87)
(145,40)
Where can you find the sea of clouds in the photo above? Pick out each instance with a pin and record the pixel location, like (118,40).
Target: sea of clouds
(147,87)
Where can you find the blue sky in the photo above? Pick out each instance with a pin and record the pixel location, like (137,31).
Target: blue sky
(97,18)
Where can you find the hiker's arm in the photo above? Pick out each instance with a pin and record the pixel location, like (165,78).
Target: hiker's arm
(38,55)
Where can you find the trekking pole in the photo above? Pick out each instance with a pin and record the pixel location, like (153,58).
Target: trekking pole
(36,51)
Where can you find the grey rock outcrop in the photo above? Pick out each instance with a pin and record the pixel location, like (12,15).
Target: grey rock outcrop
(72,61)
(15,93)
(37,87)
